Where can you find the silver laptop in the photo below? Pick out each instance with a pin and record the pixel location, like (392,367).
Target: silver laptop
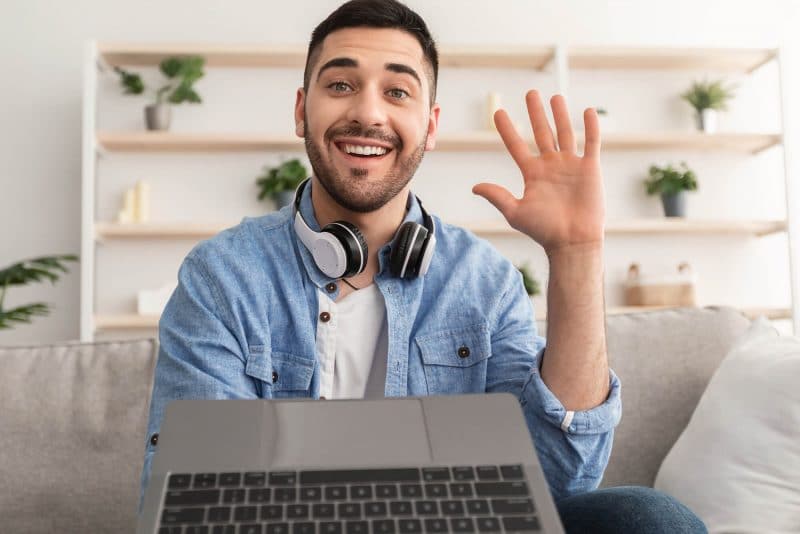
(462,463)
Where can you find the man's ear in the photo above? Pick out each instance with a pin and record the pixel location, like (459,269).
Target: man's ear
(299,113)
(433,127)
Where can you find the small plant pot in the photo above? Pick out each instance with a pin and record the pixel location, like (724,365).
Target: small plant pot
(707,120)
(158,116)
(284,198)
(674,204)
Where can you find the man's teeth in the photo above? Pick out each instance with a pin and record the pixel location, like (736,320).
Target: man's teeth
(365,150)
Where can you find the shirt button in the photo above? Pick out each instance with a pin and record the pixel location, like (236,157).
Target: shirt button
(324,317)
(330,288)
(274,377)
(154,440)
(463,352)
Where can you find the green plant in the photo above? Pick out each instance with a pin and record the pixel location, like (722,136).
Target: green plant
(669,180)
(601,111)
(708,95)
(26,271)
(532,287)
(285,177)
(182,73)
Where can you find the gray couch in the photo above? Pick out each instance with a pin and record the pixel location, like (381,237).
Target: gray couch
(73,416)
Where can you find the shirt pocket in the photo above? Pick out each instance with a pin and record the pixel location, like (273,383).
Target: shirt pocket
(455,360)
(283,375)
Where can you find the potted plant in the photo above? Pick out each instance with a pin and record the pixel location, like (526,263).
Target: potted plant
(671,184)
(24,272)
(181,73)
(279,183)
(707,98)
(532,287)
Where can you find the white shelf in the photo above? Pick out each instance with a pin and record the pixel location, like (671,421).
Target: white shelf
(450,142)
(707,59)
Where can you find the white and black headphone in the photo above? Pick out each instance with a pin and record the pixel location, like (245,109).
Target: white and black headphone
(340,250)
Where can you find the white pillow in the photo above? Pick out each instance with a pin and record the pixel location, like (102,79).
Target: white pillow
(737,463)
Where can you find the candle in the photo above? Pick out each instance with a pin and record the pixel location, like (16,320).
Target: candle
(128,206)
(142,212)
(493,103)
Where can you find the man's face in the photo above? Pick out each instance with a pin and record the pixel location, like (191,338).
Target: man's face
(367,117)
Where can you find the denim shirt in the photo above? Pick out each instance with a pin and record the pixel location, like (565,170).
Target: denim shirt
(242,322)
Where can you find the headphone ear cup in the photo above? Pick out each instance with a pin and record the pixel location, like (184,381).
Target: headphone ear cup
(355,246)
(406,250)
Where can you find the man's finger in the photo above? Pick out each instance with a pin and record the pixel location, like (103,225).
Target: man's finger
(592,126)
(566,138)
(500,197)
(541,127)
(515,144)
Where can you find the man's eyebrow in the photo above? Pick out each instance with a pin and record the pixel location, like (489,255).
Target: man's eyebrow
(337,62)
(403,69)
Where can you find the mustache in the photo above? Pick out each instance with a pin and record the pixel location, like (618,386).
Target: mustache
(355,130)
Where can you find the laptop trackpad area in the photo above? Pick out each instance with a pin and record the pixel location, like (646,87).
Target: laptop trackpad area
(344,433)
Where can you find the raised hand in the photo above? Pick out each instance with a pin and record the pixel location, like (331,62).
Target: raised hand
(563,203)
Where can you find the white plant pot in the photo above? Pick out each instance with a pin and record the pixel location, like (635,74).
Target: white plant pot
(707,121)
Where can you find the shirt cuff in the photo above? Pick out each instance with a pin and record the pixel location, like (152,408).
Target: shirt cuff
(597,420)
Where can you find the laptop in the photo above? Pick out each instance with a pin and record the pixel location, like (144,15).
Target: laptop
(460,463)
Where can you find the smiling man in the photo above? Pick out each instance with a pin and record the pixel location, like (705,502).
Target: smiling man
(356,291)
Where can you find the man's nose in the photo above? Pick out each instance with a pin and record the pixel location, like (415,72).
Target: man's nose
(368,109)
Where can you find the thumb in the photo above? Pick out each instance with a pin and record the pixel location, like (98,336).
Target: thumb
(500,197)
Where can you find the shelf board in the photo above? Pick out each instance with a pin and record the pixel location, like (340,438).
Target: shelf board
(154,230)
(714,59)
(447,142)
(243,55)
(135,322)
(652,226)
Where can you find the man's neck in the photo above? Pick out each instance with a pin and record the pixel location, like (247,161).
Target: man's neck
(378,227)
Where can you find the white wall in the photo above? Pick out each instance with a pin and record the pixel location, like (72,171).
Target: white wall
(41,53)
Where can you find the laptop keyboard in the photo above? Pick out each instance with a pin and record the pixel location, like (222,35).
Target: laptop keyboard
(485,498)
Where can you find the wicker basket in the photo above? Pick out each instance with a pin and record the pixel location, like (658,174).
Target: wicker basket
(668,290)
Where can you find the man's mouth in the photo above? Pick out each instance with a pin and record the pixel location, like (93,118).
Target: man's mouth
(363,151)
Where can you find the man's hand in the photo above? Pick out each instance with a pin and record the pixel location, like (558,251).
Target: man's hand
(563,203)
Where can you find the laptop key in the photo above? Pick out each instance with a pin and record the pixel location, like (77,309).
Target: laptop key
(488,472)
(255,478)
(461,489)
(285,494)
(245,514)
(304,528)
(234,496)
(282,478)
(400,507)
(230,479)
(463,473)
(313,493)
(223,529)
(426,507)
(173,516)
(170,530)
(488,524)
(383,526)
(250,529)
(411,491)
(361,492)
(478,507)
(462,524)
(258,495)
(521,524)
(278,528)
(271,512)
(179,481)
(435,491)
(386,491)
(452,508)
(375,509)
(409,525)
(512,472)
(196,529)
(432,474)
(191,498)
(335,493)
(356,527)
(330,527)
(297,511)
(349,509)
(512,506)
(359,476)
(436,525)
(219,514)
(205,480)
(501,489)
(322,511)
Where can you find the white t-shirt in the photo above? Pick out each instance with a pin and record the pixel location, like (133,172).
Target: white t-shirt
(353,345)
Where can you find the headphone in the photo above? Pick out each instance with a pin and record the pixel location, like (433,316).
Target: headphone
(340,250)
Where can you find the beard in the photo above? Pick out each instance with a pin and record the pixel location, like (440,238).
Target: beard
(351,191)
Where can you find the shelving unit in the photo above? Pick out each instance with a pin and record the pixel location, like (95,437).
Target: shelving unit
(558,59)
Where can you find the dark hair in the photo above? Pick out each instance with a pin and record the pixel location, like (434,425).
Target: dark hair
(374,14)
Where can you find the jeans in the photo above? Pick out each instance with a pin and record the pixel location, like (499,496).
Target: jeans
(625,509)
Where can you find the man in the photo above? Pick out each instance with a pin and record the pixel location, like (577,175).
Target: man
(413,306)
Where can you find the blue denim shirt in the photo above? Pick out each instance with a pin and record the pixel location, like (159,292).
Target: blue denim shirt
(242,323)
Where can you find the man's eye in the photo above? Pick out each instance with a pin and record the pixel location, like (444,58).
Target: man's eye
(397,93)
(339,87)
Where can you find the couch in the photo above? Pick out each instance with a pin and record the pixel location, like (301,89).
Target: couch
(73,416)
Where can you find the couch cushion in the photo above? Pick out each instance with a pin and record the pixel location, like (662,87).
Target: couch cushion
(73,422)
(664,360)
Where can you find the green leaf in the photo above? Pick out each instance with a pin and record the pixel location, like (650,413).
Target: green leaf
(171,66)
(22,314)
(532,286)
(130,81)
(670,180)
(285,177)
(35,270)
